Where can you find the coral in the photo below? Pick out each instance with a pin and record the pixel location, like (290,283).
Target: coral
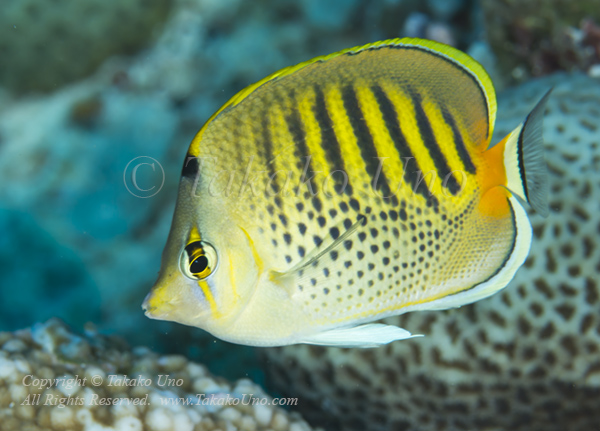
(589,39)
(48,44)
(526,358)
(538,37)
(53,379)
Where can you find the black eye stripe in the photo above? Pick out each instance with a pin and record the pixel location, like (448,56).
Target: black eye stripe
(194,249)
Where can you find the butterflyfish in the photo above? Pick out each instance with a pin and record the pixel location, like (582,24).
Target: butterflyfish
(346,189)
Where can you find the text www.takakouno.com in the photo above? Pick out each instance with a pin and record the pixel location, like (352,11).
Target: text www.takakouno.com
(226,400)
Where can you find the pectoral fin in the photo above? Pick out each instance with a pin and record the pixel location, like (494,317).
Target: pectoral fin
(309,271)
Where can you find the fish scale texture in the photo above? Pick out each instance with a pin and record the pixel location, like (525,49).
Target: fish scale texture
(375,107)
(526,358)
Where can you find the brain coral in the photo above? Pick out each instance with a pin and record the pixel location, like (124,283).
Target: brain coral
(90,373)
(525,359)
(45,44)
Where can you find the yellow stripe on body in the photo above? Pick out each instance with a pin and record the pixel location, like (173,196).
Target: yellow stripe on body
(442,132)
(445,138)
(460,59)
(464,62)
(412,133)
(283,146)
(313,141)
(355,166)
(393,165)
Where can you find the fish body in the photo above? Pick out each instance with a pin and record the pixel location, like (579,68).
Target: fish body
(346,189)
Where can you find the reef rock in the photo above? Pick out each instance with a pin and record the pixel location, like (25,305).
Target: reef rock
(526,358)
(538,37)
(45,44)
(53,379)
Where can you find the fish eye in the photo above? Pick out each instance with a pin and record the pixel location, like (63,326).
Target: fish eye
(198,260)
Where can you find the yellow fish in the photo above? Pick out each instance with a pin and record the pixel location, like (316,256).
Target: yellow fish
(349,188)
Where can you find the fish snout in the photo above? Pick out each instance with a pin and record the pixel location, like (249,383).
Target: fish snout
(146,305)
(154,308)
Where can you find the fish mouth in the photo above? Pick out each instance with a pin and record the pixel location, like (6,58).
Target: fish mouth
(148,309)
(156,311)
(151,313)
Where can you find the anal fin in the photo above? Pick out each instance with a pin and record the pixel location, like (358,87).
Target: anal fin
(364,336)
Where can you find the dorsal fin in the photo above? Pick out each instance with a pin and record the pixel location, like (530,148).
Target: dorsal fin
(421,64)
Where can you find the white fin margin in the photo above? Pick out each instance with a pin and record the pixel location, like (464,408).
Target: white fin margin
(363,336)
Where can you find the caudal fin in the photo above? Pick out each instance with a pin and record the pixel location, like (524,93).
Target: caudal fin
(526,170)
